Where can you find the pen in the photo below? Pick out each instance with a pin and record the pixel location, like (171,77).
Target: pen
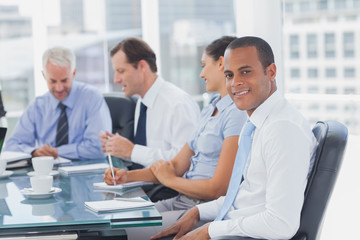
(137,199)
(111,168)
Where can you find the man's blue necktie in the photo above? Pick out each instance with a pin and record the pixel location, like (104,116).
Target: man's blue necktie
(238,169)
(140,137)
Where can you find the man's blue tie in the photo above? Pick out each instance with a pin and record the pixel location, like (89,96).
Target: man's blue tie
(238,169)
(140,137)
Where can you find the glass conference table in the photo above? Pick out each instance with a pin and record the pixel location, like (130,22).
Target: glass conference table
(64,214)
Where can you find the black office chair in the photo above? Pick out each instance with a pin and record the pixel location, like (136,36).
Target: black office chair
(332,139)
(122,110)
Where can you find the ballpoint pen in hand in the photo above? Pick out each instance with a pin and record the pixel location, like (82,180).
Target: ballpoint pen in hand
(111,168)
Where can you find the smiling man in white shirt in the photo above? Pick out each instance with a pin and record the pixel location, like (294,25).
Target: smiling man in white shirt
(171,113)
(269,200)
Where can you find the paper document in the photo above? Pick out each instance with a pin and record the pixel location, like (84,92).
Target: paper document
(103,185)
(81,169)
(61,160)
(11,156)
(118,204)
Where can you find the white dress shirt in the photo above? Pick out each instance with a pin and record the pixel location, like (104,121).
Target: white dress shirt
(270,198)
(170,120)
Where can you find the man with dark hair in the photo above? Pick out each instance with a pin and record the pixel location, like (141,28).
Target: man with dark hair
(165,115)
(276,150)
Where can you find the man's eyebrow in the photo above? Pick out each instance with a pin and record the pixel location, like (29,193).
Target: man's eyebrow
(243,67)
(60,80)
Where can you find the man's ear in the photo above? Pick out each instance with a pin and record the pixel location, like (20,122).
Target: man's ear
(74,72)
(271,71)
(142,64)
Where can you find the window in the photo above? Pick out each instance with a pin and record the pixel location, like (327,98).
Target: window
(340,4)
(304,6)
(295,73)
(289,7)
(356,3)
(331,90)
(322,5)
(314,107)
(312,47)
(294,46)
(295,90)
(349,90)
(349,44)
(331,107)
(329,45)
(350,108)
(313,89)
(330,73)
(312,73)
(349,73)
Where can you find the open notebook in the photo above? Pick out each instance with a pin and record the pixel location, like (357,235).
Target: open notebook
(103,185)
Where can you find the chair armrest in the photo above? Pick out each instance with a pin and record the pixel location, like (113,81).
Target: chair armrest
(159,192)
(154,190)
(234,238)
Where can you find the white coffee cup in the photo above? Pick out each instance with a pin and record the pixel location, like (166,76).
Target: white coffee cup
(2,166)
(41,183)
(43,165)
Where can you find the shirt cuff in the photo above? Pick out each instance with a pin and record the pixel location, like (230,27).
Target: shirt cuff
(219,228)
(137,154)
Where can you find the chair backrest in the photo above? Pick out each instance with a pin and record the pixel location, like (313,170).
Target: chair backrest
(332,139)
(122,110)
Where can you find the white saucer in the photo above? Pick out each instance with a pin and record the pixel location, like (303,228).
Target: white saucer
(29,192)
(6,174)
(52,173)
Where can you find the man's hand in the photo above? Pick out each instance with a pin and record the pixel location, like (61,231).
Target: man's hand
(104,138)
(200,233)
(45,150)
(163,171)
(121,176)
(182,226)
(119,146)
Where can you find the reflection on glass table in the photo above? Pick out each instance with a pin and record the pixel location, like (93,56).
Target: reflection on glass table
(65,210)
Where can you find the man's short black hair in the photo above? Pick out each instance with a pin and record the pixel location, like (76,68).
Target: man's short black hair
(265,53)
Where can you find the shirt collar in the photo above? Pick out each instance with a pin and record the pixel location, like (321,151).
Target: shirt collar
(260,114)
(223,103)
(152,93)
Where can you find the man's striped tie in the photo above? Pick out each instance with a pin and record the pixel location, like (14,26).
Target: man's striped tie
(62,133)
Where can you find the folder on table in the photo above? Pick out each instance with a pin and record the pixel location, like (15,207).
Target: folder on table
(83,169)
(118,204)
